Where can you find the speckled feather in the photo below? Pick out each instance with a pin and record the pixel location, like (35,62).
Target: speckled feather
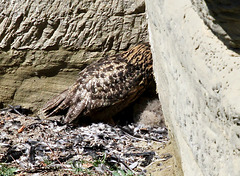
(105,87)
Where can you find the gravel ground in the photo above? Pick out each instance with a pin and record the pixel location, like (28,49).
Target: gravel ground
(33,146)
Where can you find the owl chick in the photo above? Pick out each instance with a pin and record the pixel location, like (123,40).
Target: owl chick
(104,87)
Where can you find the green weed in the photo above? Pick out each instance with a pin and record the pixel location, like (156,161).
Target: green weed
(7,171)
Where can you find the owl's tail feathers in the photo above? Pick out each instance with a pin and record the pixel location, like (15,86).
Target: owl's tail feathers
(56,105)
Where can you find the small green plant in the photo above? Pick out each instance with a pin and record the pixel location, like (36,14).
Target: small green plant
(47,162)
(108,167)
(101,160)
(77,166)
(7,171)
(121,172)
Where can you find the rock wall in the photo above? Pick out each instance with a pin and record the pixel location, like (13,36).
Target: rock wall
(197,70)
(44,44)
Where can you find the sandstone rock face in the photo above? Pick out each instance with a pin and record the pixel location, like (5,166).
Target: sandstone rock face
(44,44)
(222,17)
(197,77)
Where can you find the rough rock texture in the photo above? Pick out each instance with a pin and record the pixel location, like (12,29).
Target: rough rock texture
(44,44)
(223,18)
(197,78)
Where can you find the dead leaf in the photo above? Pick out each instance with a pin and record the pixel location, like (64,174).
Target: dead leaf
(87,165)
(21,129)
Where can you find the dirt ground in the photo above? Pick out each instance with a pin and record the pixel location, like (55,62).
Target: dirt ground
(164,167)
(37,132)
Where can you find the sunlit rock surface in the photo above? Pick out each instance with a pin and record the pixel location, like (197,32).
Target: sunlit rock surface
(44,44)
(197,69)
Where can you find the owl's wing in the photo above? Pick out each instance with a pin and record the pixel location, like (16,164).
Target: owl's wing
(93,90)
(58,104)
(109,88)
(109,84)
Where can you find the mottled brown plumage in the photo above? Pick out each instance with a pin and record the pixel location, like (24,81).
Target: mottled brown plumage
(105,87)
